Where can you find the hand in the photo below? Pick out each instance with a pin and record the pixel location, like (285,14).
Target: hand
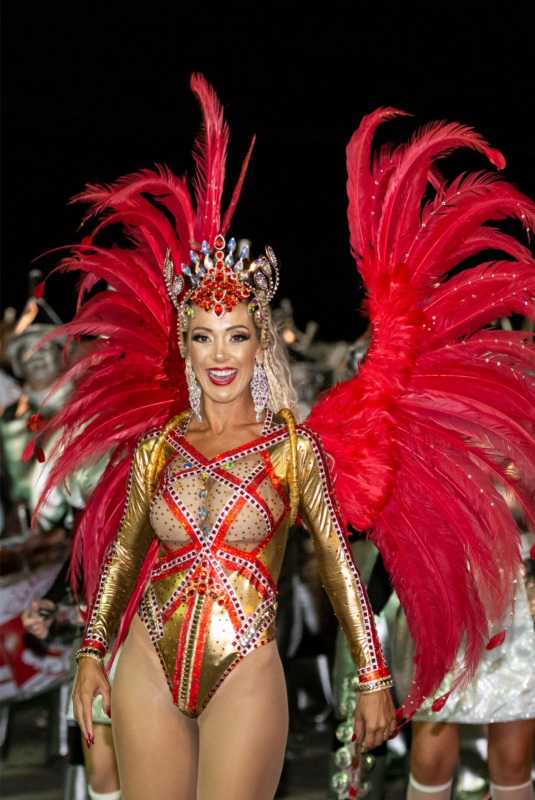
(38,617)
(375,717)
(90,682)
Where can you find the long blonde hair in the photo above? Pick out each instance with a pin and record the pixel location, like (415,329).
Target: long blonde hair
(277,365)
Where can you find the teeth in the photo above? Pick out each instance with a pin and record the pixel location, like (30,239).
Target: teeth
(222,373)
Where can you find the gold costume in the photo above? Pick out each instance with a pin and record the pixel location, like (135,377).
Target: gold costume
(222,526)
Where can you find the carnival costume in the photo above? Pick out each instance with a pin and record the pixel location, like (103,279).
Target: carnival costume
(415,441)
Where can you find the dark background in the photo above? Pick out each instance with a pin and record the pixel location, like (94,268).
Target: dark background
(93,90)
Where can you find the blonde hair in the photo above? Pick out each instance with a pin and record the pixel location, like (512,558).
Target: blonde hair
(277,366)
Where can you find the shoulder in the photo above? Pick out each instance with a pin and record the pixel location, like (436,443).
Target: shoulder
(305,442)
(153,444)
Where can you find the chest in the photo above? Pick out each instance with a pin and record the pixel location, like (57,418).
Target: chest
(235,498)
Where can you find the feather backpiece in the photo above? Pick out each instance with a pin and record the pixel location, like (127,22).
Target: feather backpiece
(444,402)
(129,380)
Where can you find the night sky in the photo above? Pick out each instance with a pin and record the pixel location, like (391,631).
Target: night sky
(94,90)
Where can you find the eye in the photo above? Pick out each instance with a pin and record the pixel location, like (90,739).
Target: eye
(200,337)
(240,337)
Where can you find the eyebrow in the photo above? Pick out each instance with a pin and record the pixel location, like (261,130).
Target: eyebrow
(210,330)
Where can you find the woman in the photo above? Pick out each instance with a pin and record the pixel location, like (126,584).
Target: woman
(211,494)
(249,703)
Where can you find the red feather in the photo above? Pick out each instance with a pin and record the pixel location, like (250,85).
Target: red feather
(130,377)
(423,435)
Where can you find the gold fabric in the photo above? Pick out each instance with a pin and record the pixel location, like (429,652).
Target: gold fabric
(222,526)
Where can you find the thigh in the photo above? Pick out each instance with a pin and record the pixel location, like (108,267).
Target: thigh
(243,731)
(434,751)
(156,745)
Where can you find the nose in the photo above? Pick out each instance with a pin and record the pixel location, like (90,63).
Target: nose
(220,350)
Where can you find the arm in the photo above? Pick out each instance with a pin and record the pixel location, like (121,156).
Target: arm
(319,512)
(118,578)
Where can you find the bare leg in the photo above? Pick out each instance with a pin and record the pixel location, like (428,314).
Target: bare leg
(243,731)
(510,759)
(156,745)
(100,762)
(434,754)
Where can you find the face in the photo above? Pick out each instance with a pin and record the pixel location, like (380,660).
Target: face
(41,367)
(222,352)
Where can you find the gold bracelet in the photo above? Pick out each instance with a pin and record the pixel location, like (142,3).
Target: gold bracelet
(376,686)
(89,652)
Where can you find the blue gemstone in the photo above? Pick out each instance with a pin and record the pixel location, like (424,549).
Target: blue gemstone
(244,252)
(194,257)
(232,245)
(205,247)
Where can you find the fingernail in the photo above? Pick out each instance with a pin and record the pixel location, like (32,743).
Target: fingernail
(89,742)
(354,737)
(108,712)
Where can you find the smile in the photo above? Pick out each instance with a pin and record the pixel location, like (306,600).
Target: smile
(223,376)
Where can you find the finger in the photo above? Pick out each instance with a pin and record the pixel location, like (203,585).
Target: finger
(45,603)
(88,722)
(358,729)
(106,699)
(373,739)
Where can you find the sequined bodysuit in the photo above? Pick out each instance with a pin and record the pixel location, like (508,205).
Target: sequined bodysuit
(222,526)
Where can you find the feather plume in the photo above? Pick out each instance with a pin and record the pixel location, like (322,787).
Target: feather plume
(423,435)
(130,377)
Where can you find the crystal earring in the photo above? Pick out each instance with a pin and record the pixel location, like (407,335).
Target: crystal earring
(194,390)
(259,388)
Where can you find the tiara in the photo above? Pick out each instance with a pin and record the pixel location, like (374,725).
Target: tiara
(217,282)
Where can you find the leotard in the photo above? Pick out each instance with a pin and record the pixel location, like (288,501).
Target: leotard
(222,526)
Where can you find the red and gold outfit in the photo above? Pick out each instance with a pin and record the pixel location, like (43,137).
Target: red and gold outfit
(222,526)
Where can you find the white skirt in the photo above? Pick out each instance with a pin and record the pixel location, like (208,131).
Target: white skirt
(503,687)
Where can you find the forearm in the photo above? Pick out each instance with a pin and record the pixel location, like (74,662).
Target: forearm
(340,577)
(124,559)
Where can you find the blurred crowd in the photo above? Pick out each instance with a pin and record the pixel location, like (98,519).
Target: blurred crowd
(40,623)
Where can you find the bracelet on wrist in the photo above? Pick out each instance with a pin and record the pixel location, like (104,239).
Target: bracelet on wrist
(376,685)
(89,652)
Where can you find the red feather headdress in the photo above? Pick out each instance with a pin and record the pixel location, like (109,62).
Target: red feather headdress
(444,402)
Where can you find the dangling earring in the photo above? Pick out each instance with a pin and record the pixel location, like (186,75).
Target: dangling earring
(259,388)
(194,390)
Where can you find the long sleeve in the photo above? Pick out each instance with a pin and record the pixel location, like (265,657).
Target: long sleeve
(319,513)
(125,556)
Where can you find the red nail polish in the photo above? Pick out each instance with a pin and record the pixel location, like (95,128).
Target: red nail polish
(89,742)
(354,737)
(108,712)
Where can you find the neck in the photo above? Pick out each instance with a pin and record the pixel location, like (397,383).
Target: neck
(220,417)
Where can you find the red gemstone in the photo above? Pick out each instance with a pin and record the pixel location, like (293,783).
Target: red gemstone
(201,588)
(218,310)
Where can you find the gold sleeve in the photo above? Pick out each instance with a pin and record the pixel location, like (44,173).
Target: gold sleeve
(320,515)
(125,556)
